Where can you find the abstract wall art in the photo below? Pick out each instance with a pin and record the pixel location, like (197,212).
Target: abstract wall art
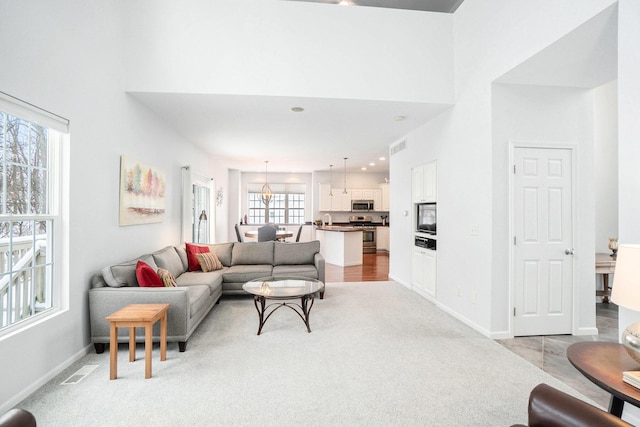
(142,192)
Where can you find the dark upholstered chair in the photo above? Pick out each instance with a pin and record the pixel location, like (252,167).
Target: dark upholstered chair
(238,234)
(266,233)
(549,407)
(299,233)
(17,418)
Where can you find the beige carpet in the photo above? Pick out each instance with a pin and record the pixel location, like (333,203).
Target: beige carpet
(378,354)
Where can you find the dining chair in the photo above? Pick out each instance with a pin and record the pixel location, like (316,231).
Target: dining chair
(299,233)
(266,233)
(239,234)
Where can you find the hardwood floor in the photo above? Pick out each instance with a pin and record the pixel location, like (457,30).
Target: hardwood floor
(375,267)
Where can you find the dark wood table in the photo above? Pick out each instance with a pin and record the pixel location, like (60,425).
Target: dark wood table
(603,363)
(280,234)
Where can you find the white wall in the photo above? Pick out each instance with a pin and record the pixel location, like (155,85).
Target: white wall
(606,164)
(284,48)
(628,137)
(461,139)
(548,116)
(66,57)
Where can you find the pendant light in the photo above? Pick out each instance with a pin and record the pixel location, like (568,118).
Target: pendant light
(330,182)
(345,176)
(266,194)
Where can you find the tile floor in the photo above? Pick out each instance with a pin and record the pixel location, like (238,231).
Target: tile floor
(549,352)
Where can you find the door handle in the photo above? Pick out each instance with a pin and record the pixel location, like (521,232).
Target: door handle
(569,251)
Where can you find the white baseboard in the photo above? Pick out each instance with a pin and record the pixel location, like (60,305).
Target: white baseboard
(586,331)
(44,379)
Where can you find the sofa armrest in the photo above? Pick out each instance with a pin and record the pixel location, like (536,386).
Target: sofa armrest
(104,301)
(318,261)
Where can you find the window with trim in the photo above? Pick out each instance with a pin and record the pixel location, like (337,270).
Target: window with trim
(286,205)
(29,211)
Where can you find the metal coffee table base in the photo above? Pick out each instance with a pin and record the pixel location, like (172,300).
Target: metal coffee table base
(265,311)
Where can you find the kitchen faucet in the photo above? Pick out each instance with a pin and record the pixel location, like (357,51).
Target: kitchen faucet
(323,218)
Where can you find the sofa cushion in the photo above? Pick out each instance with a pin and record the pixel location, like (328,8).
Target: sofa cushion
(302,270)
(295,253)
(147,276)
(124,274)
(244,273)
(209,262)
(251,253)
(169,259)
(211,279)
(192,250)
(223,251)
(182,253)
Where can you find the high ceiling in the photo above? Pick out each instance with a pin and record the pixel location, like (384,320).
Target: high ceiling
(446,6)
(246,131)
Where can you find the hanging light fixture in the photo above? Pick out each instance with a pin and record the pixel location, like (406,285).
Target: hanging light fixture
(345,176)
(266,194)
(330,182)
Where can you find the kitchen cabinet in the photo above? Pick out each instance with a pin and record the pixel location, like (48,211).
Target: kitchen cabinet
(341,202)
(384,194)
(359,194)
(382,239)
(377,200)
(423,183)
(423,271)
(324,197)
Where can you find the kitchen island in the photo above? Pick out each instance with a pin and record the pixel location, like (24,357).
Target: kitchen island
(340,244)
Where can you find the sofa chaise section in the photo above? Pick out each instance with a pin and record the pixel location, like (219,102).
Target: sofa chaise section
(190,301)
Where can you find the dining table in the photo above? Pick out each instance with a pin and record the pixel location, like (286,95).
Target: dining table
(280,234)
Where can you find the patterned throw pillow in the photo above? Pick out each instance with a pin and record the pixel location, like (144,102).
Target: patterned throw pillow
(167,278)
(192,251)
(209,261)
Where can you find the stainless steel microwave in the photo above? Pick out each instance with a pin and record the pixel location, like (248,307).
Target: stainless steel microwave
(361,205)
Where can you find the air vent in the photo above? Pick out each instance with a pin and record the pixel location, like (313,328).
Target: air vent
(398,147)
(79,375)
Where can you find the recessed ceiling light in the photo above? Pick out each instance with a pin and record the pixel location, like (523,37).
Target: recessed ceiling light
(382,159)
(363,168)
(297,109)
(399,118)
(372,164)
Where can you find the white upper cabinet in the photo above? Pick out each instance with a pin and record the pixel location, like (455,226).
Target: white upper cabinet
(342,201)
(324,198)
(423,183)
(385,204)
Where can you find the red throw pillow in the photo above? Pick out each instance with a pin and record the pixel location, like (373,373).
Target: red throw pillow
(192,250)
(147,277)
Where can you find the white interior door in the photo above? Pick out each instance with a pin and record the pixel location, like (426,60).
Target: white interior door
(543,241)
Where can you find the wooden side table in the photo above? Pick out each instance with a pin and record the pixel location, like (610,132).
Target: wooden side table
(137,316)
(603,364)
(605,265)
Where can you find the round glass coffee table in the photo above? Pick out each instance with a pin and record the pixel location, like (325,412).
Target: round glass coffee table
(283,288)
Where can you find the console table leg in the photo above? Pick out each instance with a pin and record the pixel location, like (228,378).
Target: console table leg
(615,406)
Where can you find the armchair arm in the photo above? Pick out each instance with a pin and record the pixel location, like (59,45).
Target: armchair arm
(318,261)
(549,407)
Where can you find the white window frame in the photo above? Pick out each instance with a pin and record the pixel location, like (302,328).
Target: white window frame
(281,189)
(58,179)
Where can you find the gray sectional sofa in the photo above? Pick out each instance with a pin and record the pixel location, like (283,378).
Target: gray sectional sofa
(196,292)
